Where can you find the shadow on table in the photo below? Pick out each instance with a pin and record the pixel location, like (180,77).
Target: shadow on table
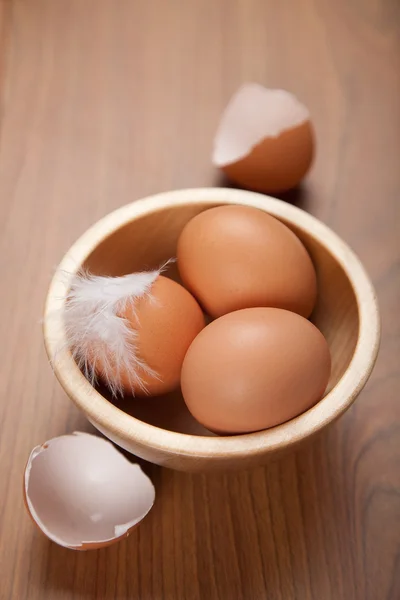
(298,196)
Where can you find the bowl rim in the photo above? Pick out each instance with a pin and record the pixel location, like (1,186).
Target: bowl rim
(125,427)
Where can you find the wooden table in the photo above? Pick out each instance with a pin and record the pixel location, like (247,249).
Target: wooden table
(104,102)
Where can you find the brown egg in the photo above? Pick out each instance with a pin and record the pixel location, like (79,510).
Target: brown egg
(234,257)
(166,324)
(254,369)
(265,141)
(132,332)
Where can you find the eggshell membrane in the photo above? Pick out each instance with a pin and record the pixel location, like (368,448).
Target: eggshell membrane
(84,494)
(234,257)
(253,369)
(265,140)
(166,321)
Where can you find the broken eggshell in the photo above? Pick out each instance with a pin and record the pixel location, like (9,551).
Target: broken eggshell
(265,140)
(83,494)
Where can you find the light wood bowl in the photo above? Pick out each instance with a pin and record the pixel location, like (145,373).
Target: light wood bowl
(143,235)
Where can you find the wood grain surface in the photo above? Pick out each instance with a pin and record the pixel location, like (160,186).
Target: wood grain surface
(103,102)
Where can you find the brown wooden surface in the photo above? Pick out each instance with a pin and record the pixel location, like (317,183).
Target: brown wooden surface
(103,102)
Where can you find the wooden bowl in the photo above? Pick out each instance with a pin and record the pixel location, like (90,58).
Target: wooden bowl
(143,235)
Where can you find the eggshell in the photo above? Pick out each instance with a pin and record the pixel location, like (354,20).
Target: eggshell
(265,140)
(83,494)
(132,332)
(253,369)
(234,257)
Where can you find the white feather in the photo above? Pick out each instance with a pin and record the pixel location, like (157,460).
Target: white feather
(95,332)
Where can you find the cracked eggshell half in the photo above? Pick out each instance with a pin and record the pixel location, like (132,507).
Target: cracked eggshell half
(83,494)
(265,140)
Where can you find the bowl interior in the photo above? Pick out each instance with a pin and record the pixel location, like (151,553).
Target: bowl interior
(151,239)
